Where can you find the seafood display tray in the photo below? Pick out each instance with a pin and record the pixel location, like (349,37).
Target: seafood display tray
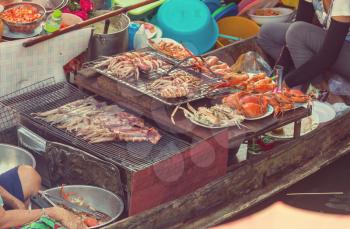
(129,155)
(145,79)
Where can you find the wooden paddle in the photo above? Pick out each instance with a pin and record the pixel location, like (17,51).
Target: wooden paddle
(82,24)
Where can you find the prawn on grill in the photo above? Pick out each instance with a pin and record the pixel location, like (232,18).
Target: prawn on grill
(176,85)
(127,66)
(98,122)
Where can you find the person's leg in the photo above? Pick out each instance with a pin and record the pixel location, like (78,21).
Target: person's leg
(11,183)
(22,182)
(342,65)
(304,40)
(272,38)
(30,181)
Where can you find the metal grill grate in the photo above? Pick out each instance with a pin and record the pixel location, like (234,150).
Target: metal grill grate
(141,85)
(131,156)
(8,118)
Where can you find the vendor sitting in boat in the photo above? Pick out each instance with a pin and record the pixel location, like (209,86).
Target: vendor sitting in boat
(308,51)
(16,187)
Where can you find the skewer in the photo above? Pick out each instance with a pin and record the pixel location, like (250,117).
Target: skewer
(314,193)
(173,114)
(193,56)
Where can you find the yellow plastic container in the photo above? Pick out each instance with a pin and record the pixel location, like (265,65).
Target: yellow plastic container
(291,3)
(236,26)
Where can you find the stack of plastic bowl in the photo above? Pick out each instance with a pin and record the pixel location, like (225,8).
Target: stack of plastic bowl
(189,23)
(236,26)
(225,11)
(212,5)
(291,3)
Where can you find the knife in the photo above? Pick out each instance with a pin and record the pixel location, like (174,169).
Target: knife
(66,203)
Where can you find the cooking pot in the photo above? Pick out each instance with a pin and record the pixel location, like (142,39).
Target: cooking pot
(49,5)
(13,156)
(114,42)
(98,198)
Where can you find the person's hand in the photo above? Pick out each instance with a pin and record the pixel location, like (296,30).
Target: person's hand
(67,218)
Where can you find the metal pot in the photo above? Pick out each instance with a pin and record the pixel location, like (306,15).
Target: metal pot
(6,2)
(115,41)
(50,5)
(98,198)
(13,156)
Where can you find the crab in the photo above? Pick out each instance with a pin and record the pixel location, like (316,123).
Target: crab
(250,105)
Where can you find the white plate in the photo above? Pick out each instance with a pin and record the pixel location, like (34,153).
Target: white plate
(285,15)
(314,125)
(223,125)
(157,40)
(8,34)
(324,111)
(156,33)
(268,113)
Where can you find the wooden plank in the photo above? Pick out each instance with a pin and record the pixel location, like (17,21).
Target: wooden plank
(263,177)
(224,213)
(179,175)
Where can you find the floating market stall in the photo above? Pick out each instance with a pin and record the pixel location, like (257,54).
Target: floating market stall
(169,171)
(165,130)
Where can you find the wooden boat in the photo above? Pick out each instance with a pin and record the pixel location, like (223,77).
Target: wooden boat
(207,196)
(247,183)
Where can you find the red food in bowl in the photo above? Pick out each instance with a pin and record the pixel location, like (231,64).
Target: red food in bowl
(23,17)
(21,14)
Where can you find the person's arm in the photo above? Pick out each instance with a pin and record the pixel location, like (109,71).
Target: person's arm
(326,57)
(16,218)
(305,11)
(10,200)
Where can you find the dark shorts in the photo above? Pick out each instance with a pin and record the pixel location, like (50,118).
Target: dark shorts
(10,181)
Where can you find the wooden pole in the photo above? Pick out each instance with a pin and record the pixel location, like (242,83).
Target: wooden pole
(85,23)
(314,193)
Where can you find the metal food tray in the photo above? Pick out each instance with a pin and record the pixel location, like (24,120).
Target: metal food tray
(145,79)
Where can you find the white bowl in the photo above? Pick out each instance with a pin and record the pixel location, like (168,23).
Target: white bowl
(70,19)
(286,14)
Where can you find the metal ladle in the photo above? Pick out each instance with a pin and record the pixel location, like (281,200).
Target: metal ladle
(106,27)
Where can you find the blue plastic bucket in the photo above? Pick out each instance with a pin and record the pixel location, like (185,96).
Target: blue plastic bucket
(188,22)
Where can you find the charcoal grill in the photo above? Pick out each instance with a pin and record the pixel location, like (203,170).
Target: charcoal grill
(145,79)
(145,169)
(131,156)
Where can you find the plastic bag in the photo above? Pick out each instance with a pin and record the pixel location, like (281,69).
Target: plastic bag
(251,62)
(340,108)
(43,223)
(339,86)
